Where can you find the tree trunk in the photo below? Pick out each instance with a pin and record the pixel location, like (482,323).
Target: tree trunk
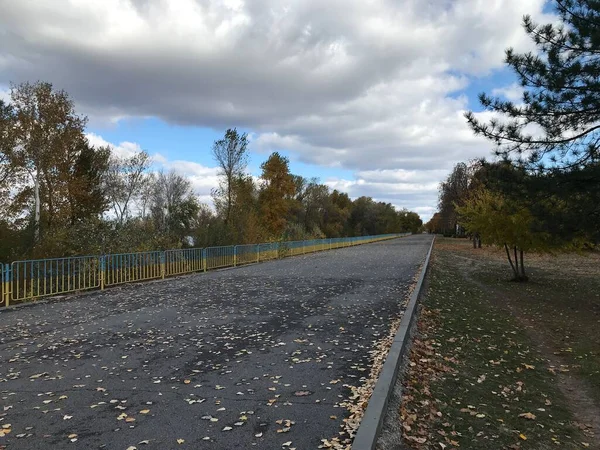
(523,276)
(229,198)
(515,271)
(36,222)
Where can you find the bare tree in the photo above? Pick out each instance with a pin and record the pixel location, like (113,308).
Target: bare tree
(231,155)
(170,201)
(125,181)
(146,194)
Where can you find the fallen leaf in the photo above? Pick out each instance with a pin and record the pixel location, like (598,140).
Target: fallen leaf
(301,393)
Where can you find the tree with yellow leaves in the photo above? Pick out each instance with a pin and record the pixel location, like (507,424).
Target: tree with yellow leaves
(505,224)
(277,192)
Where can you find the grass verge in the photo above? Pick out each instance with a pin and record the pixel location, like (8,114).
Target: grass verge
(493,361)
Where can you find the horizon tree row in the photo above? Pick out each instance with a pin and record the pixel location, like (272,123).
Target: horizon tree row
(61,196)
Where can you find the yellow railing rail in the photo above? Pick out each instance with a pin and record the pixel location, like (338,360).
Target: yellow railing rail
(27,280)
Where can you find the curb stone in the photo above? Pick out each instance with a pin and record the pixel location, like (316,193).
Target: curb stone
(371,423)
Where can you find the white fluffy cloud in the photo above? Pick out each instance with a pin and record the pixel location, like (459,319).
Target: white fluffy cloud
(122,150)
(203,178)
(368,86)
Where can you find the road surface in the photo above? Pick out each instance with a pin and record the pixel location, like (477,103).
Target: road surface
(254,357)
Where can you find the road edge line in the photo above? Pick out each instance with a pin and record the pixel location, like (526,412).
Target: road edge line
(371,423)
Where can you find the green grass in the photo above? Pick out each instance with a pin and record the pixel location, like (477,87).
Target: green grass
(475,367)
(564,309)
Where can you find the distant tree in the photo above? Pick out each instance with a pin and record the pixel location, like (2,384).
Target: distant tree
(45,138)
(276,193)
(409,221)
(7,144)
(337,220)
(317,205)
(173,205)
(453,191)
(557,122)
(231,154)
(124,183)
(435,224)
(245,228)
(86,190)
(208,228)
(9,172)
(363,216)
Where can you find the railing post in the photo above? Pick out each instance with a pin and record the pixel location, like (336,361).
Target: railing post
(234,255)
(8,280)
(204,261)
(5,283)
(102,272)
(163,258)
(257,253)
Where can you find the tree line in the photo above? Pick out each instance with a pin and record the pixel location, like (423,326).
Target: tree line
(542,193)
(61,196)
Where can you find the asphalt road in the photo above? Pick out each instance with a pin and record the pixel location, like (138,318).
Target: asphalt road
(210,360)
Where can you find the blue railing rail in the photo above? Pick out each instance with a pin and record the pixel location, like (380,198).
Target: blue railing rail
(26,280)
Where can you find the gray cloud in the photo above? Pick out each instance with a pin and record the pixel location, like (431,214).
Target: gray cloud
(360,85)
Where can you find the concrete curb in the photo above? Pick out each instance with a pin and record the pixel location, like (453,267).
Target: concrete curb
(370,425)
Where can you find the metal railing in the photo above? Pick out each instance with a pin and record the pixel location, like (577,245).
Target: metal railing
(219,257)
(22,281)
(246,254)
(128,267)
(178,262)
(43,277)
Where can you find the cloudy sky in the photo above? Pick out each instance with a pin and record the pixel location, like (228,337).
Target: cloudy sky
(367,95)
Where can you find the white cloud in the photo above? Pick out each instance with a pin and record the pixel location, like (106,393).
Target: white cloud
(513,92)
(414,190)
(367,86)
(203,178)
(123,150)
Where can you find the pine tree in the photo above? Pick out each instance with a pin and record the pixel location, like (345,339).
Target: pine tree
(558,123)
